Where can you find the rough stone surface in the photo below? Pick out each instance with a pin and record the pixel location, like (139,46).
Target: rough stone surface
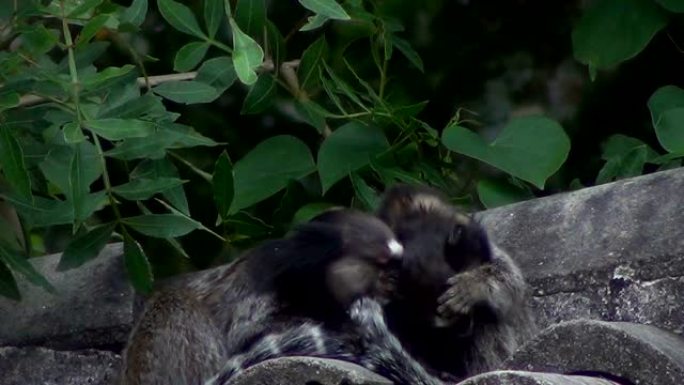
(613,252)
(93,307)
(42,366)
(307,370)
(641,354)
(512,377)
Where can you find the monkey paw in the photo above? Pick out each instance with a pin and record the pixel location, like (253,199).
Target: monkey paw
(465,290)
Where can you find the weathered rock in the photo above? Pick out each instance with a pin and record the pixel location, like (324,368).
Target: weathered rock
(93,307)
(612,252)
(513,377)
(641,354)
(307,370)
(42,366)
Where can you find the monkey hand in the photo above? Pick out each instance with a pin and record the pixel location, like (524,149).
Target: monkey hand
(466,290)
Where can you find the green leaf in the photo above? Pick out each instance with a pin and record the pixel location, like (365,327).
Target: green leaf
(612,31)
(137,266)
(105,77)
(117,129)
(223,184)
(142,188)
(250,15)
(314,22)
(665,98)
(39,40)
(365,193)
(73,133)
(12,162)
(42,212)
(618,145)
(631,164)
(22,266)
(56,166)
(268,168)
(495,192)
(79,186)
(312,113)
(85,247)
(187,92)
(666,113)
(260,95)
(135,14)
(213,14)
(676,6)
(343,87)
(311,60)
(9,100)
(8,286)
(161,225)
(161,168)
(328,8)
(347,149)
(310,211)
(91,28)
(670,130)
(190,55)
(168,136)
(529,148)
(180,17)
(276,44)
(218,73)
(136,107)
(247,55)
(405,48)
(83,7)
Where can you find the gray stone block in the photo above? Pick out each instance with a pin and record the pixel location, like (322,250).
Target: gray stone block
(42,366)
(641,354)
(307,370)
(613,252)
(513,377)
(93,307)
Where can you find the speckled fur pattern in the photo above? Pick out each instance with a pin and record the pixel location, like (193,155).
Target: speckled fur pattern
(230,317)
(463,305)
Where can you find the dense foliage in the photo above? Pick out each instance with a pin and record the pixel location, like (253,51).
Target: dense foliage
(96,138)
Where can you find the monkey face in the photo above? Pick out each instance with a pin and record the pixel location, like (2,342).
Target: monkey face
(370,257)
(439,241)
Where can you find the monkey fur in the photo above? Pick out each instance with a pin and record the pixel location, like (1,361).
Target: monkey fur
(192,328)
(460,308)
(461,305)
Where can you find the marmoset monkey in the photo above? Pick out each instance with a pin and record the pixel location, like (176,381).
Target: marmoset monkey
(191,329)
(461,306)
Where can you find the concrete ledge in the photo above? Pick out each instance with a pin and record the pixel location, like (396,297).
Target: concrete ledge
(641,354)
(307,370)
(512,377)
(93,307)
(40,366)
(612,252)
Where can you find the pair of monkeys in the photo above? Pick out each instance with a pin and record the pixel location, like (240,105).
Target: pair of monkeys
(438,303)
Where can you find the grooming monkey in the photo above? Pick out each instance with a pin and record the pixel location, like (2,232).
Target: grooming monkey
(190,330)
(461,305)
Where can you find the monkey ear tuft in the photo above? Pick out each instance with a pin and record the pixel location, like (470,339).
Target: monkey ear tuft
(402,200)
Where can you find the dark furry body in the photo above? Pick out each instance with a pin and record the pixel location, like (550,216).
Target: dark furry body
(192,328)
(462,302)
